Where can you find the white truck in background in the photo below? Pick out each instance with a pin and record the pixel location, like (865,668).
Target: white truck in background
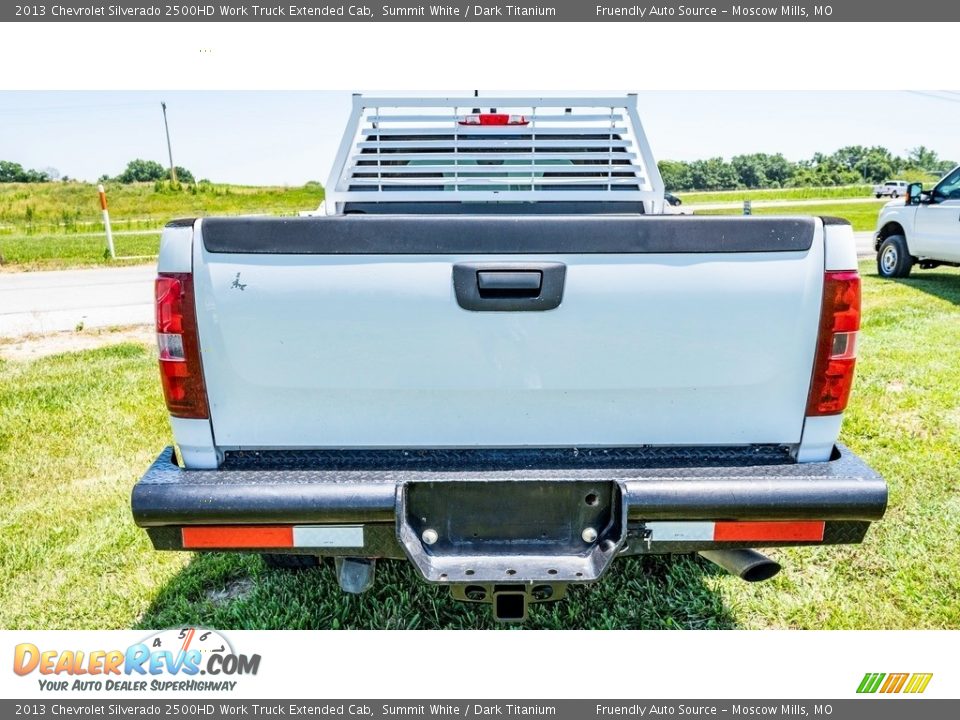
(923,230)
(497,359)
(891,188)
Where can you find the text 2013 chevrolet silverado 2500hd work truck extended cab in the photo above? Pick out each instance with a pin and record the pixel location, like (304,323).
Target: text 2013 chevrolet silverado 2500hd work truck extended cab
(494,357)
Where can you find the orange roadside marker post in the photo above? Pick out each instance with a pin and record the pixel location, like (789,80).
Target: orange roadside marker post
(106,221)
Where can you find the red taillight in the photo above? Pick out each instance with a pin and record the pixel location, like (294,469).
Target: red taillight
(493,119)
(179,346)
(836,344)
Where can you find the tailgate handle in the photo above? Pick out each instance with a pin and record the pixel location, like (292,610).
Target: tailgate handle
(509,283)
(509,286)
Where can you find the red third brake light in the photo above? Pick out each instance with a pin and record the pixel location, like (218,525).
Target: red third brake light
(179,346)
(836,344)
(493,119)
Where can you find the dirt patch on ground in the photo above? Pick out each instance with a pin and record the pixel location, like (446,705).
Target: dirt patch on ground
(234,590)
(31,347)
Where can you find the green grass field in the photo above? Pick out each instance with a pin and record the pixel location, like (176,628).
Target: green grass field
(76,430)
(57,225)
(863,216)
(803,193)
(51,252)
(54,225)
(840,192)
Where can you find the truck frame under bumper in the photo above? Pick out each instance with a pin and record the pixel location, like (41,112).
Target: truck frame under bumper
(534,519)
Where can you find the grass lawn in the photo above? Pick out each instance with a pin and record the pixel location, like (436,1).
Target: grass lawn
(48,226)
(55,225)
(863,216)
(52,252)
(694,197)
(77,429)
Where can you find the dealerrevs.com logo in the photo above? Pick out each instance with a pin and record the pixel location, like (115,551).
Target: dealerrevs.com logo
(170,660)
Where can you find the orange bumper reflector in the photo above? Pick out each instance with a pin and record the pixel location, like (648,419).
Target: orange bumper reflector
(799,531)
(227,536)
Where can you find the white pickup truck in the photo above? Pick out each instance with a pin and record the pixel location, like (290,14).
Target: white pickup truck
(497,359)
(891,188)
(922,230)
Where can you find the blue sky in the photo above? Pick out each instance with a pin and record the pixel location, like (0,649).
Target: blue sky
(290,137)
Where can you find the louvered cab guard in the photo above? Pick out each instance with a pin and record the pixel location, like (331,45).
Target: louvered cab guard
(538,150)
(490,354)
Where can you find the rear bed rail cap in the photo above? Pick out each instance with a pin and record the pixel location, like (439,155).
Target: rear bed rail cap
(506,234)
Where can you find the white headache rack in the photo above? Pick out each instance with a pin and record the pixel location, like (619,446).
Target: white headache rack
(494,149)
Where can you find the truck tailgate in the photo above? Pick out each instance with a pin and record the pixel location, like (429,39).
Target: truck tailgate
(347,331)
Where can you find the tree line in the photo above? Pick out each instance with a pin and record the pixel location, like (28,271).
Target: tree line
(847,166)
(11,172)
(149,171)
(136,171)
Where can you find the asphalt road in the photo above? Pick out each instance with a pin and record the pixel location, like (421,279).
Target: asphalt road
(865,244)
(51,301)
(34,303)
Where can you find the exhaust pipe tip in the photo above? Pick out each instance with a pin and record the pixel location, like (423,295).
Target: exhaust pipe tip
(761,571)
(748,565)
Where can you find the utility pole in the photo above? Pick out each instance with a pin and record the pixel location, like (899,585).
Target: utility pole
(173,170)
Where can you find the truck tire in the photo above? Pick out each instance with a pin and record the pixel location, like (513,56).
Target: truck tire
(893,258)
(879,196)
(282,561)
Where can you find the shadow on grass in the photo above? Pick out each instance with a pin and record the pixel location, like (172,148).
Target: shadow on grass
(235,591)
(945,286)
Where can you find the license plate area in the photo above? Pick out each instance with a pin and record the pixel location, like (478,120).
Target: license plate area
(475,531)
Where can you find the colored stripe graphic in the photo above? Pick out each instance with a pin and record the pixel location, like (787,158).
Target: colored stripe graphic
(870,682)
(894,683)
(918,683)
